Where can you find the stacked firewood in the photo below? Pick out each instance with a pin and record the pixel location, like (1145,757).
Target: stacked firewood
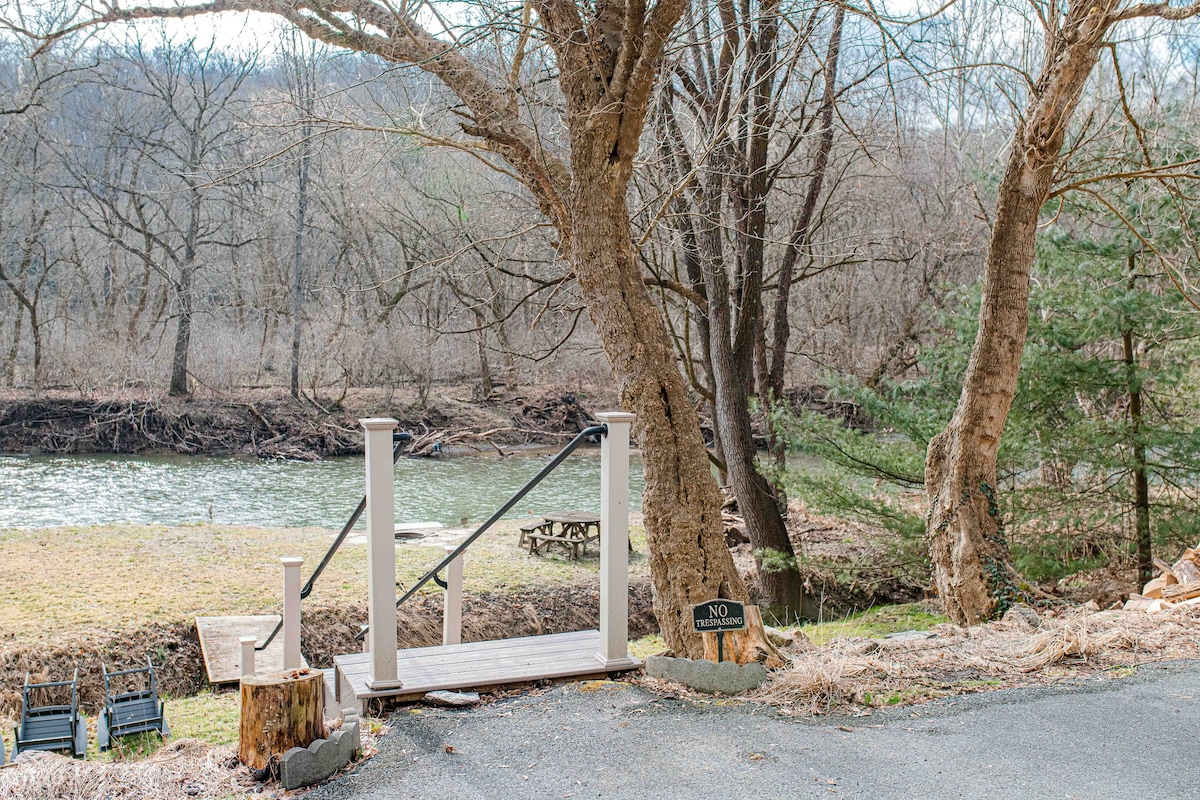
(1176,584)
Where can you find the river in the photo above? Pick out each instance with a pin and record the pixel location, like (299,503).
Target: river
(43,491)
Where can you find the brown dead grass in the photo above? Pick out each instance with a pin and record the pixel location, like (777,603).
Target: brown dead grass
(182,770)
(856,674)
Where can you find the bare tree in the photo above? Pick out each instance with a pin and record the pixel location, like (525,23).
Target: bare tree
(972,566)
(158,203)
(607,60)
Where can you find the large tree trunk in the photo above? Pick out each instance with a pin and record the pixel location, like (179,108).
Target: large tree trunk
(972,567)
(689,562)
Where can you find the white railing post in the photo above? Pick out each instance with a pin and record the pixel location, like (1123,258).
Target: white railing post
(248,643)
(291,612)
(452,607)
(614,540)
(381,553)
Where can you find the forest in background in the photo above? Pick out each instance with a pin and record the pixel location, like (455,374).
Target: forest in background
(179,213)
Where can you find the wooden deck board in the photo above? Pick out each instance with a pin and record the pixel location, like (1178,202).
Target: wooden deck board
(223,652)
(478,665)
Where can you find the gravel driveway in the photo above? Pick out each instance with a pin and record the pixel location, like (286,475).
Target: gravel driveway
(1116,738)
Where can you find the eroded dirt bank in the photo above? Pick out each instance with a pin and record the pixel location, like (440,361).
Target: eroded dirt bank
(271,426)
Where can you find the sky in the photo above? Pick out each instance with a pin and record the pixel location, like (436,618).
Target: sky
(252,31)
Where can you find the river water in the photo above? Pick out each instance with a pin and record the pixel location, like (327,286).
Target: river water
(41,491)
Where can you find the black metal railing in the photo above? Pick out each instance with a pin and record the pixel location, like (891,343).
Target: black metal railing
(584,435)
(398,441)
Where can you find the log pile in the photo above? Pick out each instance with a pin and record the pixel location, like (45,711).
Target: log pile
(1177,584)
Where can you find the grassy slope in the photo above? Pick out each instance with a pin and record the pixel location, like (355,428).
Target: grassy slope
(58,582)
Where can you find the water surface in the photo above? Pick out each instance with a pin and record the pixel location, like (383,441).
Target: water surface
(41,491)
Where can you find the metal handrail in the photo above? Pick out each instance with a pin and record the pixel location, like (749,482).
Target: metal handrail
(398,441)
(586,433)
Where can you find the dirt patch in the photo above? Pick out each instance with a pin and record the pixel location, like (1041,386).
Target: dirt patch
(328,630)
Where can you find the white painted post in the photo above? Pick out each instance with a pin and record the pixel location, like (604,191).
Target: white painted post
(291,611)
(614,541)
(248,643)
(381,553)
(452,608)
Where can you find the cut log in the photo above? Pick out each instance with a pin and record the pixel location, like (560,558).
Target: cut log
(1154,589)
(746,646)
(1159,564)
(1137,602)
(1185,569)
(1181,591)
(280,710)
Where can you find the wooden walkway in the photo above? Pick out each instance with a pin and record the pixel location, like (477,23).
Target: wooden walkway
(223,652)
(476,665)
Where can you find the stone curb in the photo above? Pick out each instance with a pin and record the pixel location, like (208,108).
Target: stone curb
(728,677)
(305,766)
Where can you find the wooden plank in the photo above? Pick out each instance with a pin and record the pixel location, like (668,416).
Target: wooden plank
(223,652)
(450,661)
(359,663)
(481,664)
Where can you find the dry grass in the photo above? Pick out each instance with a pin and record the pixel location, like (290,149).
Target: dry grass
(182,770)
(57,584)
(854,673)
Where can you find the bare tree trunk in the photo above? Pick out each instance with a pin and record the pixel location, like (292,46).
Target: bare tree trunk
(183,287)
(485,370)
(183,336)
(14,349)
(1141,482)
(972,566)
(771,388)
(304,87)
(681,500)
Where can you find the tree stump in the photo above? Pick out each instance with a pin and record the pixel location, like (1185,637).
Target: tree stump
(745,646)
(280,710)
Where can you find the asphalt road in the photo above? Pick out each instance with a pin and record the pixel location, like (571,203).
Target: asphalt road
(1124,738)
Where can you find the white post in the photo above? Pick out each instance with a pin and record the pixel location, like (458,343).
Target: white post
(452,608)
(614,541)
(381,553)
(291,612)
(248,643)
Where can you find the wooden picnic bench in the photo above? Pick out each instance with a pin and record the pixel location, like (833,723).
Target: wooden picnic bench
(570,530)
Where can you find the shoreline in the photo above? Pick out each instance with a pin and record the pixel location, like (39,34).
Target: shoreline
(271,425)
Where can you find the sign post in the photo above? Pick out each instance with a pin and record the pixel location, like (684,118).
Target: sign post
(718,616)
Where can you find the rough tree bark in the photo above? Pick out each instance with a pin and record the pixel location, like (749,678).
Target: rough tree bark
(972,566)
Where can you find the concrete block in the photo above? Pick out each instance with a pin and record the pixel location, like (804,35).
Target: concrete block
(728,677)
(451,699)
(305,766)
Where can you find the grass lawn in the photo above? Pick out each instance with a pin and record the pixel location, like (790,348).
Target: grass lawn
(874,623)
(56,583)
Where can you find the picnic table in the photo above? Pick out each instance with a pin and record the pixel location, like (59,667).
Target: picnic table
(570,530)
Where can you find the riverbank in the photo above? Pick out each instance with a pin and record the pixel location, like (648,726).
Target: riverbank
(76,597)
(270,424)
